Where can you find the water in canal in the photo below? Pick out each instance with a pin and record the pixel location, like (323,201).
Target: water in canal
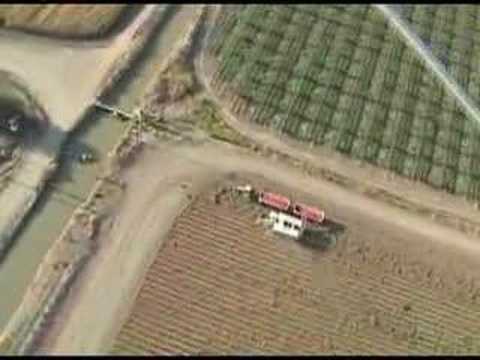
(73,181)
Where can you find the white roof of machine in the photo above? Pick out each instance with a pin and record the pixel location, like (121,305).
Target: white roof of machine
(286,224)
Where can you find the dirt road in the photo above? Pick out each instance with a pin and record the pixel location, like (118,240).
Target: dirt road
(154,196)
(159,51)
(129,241)
(64,76)
(64,81)
(367,175)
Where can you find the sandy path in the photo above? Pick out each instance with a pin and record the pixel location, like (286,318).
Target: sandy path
(127,247)
(64,77)
(154,198)
(226,160)
(64,81)
(168,38)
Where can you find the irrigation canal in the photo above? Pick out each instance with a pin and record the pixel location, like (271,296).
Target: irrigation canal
(72,182)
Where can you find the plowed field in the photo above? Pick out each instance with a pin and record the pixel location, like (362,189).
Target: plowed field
(221,284)
(66,20)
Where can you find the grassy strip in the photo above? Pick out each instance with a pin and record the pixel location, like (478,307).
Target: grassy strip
(209,120)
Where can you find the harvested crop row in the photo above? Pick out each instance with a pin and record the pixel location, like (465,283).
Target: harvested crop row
(65,20)
(222,284)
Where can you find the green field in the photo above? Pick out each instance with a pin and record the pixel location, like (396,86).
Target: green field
(452,33)
(338,76)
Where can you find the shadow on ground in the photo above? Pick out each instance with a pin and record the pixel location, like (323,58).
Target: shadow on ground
(323,238)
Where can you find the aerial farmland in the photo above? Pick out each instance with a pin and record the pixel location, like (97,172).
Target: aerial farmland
(222,284)
(239,179)
(323,80)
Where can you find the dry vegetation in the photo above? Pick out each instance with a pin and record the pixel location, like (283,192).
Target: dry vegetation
(223,285)
(172,85)
(68,20)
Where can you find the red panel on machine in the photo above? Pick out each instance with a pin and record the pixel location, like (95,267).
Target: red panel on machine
(274,200)
(310,213)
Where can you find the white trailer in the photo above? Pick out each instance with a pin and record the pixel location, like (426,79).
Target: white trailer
(286,224)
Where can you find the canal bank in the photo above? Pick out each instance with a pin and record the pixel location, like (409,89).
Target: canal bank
(72,183)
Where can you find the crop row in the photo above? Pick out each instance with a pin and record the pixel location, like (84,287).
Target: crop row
(337,76)
(451,32)
(219,277)
(402,291)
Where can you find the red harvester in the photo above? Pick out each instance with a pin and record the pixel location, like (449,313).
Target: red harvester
(309,213)
(283,203)
(275,201)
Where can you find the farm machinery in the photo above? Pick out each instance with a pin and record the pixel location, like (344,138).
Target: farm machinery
(309,214)
(307,224)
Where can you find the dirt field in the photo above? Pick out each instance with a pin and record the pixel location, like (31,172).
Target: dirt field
(397,284)
(221,284)
(414,263)
(69,20)
(105,290)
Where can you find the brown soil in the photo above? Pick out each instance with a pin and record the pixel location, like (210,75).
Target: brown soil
(397,282)
(392,259)
(220,275)
(70,20)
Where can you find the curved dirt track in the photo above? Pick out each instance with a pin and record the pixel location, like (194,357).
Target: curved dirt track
(154,189)
(370,176)
(154,197)
(64,76)
(64,81)
(216,159)
(164,45)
